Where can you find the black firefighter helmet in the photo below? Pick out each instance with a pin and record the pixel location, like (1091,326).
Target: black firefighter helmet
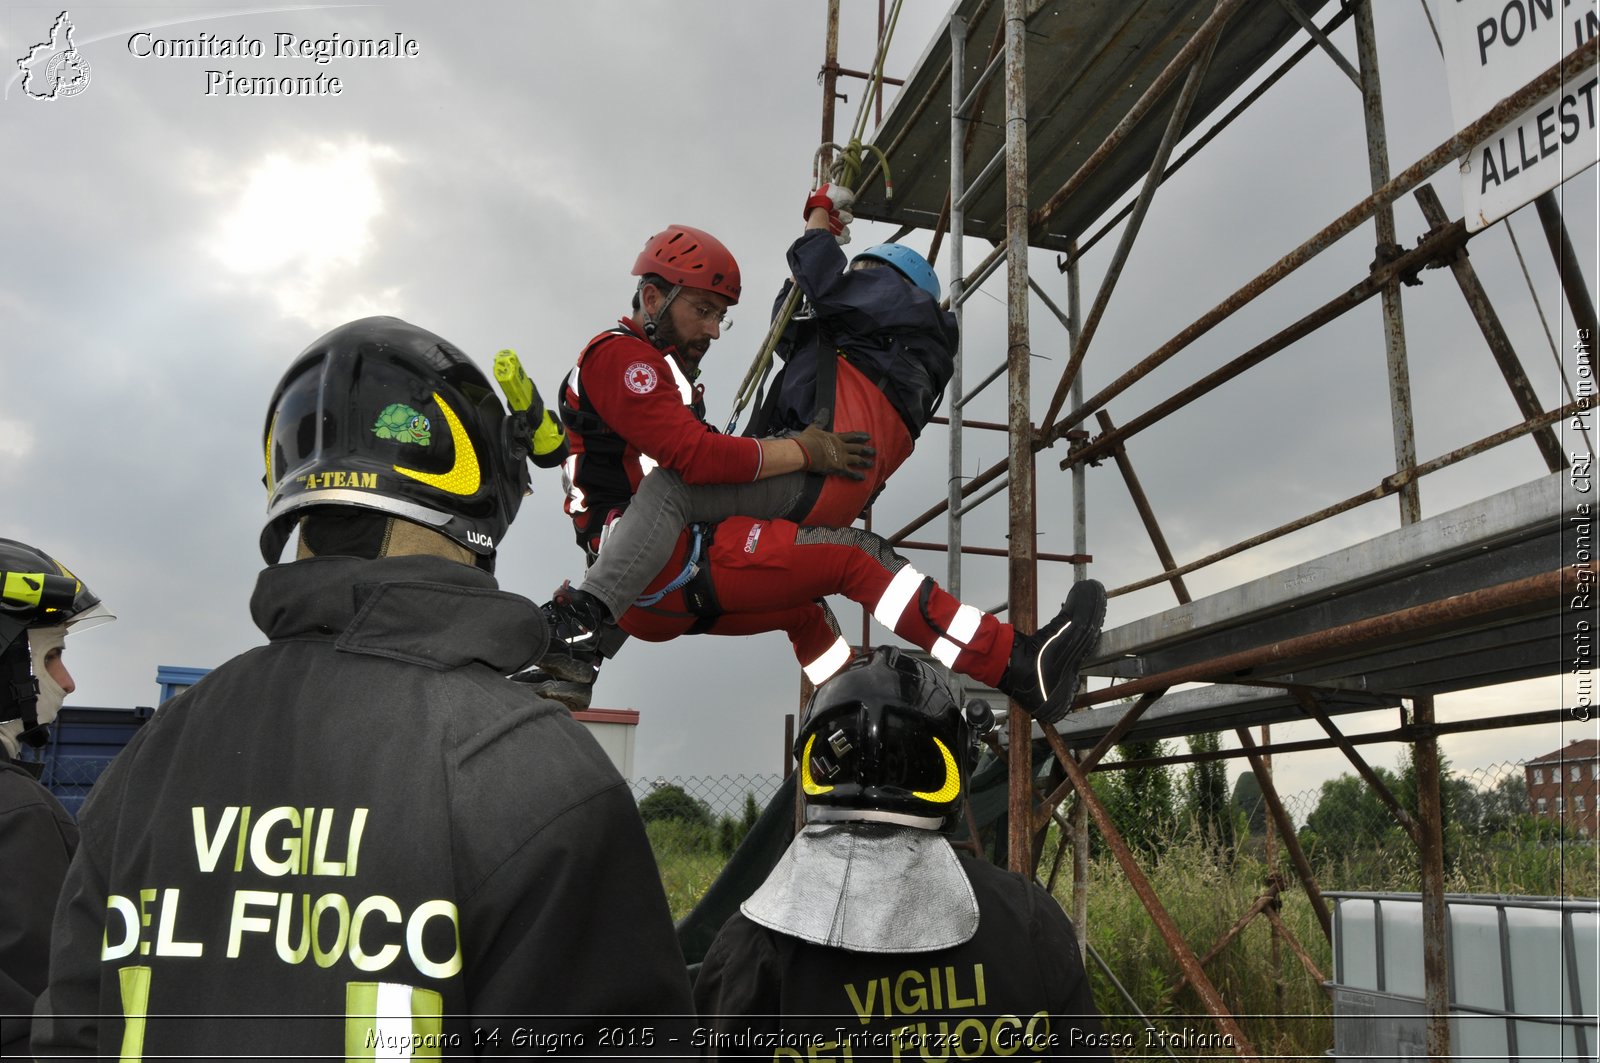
(886,740)
(36,591)
(380,414)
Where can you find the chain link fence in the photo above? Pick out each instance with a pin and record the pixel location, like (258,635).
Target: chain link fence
(1487,799)
(722,795)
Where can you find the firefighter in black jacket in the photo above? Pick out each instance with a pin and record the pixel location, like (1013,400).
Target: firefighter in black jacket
(361,840)
(40,602)
(872,938)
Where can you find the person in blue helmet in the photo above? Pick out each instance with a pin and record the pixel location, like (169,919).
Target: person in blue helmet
(867,355)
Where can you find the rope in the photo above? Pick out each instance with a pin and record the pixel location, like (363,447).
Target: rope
(691,567)
(844,170)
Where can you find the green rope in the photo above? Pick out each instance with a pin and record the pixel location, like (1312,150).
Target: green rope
(845,170)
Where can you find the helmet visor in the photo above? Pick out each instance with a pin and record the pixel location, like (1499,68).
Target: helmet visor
(394,416)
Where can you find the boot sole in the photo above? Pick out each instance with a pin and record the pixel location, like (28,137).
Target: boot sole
(574,697)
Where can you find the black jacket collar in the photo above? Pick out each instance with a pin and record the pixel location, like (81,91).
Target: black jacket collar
(425,610)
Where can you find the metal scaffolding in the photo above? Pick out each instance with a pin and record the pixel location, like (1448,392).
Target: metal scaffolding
(1049,116)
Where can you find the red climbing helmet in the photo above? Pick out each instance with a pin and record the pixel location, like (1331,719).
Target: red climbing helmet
(691,258)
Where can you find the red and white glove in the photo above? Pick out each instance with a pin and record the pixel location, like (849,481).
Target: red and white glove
(837,201)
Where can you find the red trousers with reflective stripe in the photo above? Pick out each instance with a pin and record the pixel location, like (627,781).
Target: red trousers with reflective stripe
(771,574)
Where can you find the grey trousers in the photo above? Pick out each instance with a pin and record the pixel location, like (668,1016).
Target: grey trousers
(640,543)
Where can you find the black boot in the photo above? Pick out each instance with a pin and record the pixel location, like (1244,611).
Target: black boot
(576,620)
(1042,675)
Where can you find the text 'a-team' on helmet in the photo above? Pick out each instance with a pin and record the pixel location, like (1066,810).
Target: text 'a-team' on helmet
(380,414)
(886,740)
(690,258)
(909,262)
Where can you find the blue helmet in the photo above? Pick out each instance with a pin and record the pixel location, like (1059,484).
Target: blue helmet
(913,266)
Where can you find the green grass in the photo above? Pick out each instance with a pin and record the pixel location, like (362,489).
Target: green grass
(689,861)
(1280,1007)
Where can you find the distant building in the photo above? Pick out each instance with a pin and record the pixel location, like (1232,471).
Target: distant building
(614,730)
(1566,785)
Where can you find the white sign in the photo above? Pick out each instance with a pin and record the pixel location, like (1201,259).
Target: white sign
(1492,48)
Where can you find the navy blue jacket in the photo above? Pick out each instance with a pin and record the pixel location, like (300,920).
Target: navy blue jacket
(893,331)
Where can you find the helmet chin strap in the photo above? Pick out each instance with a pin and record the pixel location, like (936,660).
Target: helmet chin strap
(650,326)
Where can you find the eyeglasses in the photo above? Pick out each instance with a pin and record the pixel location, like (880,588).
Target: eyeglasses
(708,313)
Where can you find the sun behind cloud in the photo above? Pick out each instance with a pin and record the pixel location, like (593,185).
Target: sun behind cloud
(299,223)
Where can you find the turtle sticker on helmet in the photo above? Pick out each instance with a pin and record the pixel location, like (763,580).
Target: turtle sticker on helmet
(403,424)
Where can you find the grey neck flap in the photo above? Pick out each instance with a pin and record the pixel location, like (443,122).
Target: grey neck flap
(868,888)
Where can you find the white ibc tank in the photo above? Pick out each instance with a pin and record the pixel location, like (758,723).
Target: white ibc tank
(1522,977)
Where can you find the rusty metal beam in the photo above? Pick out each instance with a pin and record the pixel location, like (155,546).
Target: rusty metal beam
(1291,841)
(1414,620)
(1435,917)
(1187,961)
(1382,276)
(1261,903)
(1120,728)
(1299,950)
(1501,113)
(830,78)
(1579,300)
(1388,486)
(1147,513)
(990,551)
(993,426)
(958,227)
(1394,330)
(1494,334)
(1409,733)
(1321,39)
(1312,709)
(1021,570)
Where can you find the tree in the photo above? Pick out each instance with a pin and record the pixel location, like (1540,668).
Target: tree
(1250,804)
(673,802)
(1140,800)
(1205,796)
(731,830)
(1350,816)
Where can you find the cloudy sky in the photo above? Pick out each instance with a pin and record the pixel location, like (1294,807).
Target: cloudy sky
(169,252)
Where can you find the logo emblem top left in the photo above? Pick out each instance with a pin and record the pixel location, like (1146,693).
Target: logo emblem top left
(54,68)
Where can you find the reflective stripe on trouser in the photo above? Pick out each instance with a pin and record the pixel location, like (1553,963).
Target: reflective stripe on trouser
(770,575)
(833,658)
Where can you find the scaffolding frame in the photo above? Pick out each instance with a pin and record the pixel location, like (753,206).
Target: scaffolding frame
(1442,247)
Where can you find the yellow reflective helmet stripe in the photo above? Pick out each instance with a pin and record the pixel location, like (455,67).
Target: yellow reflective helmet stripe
(463,478)
(807,783)
(267,451)
(952,780)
